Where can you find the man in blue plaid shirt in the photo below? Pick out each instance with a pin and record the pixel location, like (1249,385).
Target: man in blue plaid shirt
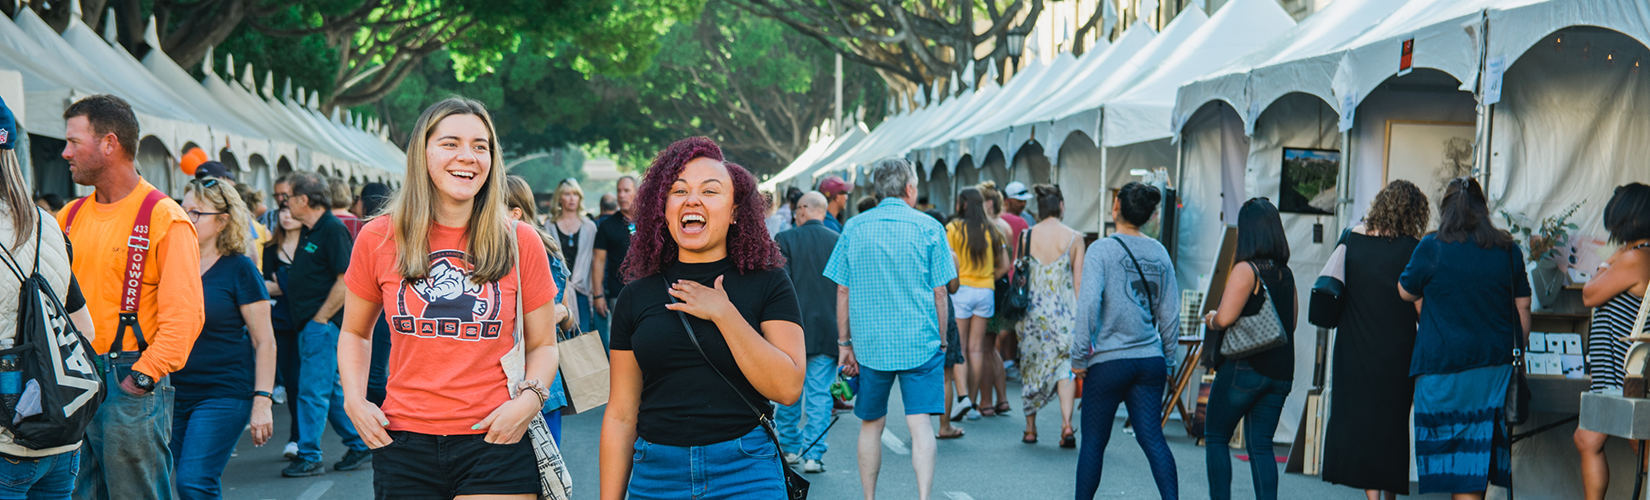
(893,271)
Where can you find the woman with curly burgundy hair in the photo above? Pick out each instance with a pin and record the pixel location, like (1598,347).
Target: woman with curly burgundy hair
(705,333)
(1368,447)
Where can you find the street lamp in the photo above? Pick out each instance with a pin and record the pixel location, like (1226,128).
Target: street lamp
(1016,44)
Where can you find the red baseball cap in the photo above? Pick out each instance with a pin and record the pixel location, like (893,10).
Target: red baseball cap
(834,185)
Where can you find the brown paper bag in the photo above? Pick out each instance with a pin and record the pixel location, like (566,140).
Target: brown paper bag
(584,372)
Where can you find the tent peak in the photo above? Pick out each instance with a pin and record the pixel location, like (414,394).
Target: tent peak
(314,99)
(110,33)
(269,84)
(151,34)
(206,62)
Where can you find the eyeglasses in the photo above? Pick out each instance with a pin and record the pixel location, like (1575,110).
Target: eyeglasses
(195,215)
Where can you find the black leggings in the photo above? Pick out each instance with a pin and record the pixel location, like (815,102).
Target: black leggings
(1138,384)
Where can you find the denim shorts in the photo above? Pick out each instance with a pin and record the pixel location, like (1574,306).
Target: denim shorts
(417,465)
(743,467)
(922,389)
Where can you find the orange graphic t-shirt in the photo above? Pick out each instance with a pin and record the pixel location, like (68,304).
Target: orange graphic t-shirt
(448,332)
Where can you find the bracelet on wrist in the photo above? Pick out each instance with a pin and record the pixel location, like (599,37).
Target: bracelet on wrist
(264,394)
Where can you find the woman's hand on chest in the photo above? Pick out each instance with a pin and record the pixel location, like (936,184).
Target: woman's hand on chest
(700,301)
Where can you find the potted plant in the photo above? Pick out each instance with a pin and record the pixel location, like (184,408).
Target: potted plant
(1542,244)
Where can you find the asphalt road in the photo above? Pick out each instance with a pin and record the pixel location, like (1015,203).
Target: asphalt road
(988,463)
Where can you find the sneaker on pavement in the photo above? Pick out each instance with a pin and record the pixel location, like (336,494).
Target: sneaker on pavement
(813,466)
(304,468)
(353,460)
(962,407)
(278,396)
(973,415)
(291,450)
(793,459)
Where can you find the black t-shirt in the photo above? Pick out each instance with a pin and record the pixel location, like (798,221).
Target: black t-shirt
(684,403)
(275,269)
(323,254)
(1277,363)
(613,235)
(222,360)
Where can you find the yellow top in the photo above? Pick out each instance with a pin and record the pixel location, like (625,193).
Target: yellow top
(971,273)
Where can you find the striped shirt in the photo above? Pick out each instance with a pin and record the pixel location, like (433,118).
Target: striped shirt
(1606,356)
(891,258)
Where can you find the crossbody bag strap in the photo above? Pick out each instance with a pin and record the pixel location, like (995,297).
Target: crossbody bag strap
(760,415)
(1138,270)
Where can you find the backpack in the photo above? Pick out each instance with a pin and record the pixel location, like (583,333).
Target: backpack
(54,355)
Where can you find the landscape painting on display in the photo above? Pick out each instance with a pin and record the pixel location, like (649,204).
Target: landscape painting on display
(1309,177)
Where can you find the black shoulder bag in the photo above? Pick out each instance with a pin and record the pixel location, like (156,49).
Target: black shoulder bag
(1518,390)
(796,488)
(1016,301)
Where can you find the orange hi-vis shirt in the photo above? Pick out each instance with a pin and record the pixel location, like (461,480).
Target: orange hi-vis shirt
(171,309)
(449,333)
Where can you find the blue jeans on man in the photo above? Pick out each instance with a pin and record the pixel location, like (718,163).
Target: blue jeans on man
(204,434)
(41,478)
(320,396)
(816,404)
(127,448)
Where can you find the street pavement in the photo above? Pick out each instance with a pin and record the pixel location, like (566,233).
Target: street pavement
(988,463)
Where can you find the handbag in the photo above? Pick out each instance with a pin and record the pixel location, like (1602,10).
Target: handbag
(1329,291)
(1518,388)
(1014,298)
(555,481)
(796,488)
(1256,334)
(584,372)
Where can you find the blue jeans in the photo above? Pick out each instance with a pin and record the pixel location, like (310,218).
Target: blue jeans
(1241,394)
(1138,385)
(320,397)
(586,315)
(204,434)
(743,467)
(815,403)
(127,453)
(44,478)
(601,322)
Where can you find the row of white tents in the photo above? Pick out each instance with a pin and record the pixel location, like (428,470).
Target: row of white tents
(253,130)
(1549,94)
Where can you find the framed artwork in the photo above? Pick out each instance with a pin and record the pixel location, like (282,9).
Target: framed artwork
(1309,177)
(1428,154)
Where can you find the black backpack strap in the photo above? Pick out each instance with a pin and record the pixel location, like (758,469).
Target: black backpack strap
(1148,284)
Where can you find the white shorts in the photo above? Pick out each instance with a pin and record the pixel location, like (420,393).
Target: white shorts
(969,302)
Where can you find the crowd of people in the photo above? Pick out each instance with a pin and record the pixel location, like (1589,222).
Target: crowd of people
(737,323)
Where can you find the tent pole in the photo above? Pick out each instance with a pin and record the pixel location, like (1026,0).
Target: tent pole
(1343,213)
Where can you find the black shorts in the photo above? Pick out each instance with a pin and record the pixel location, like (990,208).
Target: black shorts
(417,466)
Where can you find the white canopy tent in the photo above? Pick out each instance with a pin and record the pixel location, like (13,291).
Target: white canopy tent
(1023,90)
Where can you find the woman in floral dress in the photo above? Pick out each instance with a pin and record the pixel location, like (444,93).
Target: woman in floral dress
(1045,333)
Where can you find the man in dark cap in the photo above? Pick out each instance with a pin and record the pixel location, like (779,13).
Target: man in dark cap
(836,196)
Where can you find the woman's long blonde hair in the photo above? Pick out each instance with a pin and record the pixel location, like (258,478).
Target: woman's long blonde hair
(489,236)
(235,237)
(567,185)
(520,196)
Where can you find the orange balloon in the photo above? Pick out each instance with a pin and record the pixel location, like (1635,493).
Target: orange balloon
(192,159)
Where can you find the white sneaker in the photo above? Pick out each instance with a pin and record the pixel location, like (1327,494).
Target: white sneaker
(291,451)
(961,407)
(793,459)
(813,466)
(278,396)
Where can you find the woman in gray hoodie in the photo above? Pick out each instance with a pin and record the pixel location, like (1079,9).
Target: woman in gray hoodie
(1127,324)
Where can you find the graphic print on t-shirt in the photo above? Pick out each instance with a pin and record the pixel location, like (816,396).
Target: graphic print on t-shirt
(1141,288)
(448,304)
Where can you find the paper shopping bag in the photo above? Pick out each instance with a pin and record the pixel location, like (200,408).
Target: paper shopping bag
(584,372)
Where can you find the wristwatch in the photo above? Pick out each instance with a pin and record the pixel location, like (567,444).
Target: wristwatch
(845,343)
(143,381)
(264,394)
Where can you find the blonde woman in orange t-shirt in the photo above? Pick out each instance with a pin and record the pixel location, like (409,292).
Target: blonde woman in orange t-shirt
(444,267)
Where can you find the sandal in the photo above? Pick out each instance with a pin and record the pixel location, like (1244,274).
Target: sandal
(988,412)
(1002,409)
(1029,438)
(943,435)
(1068,438)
